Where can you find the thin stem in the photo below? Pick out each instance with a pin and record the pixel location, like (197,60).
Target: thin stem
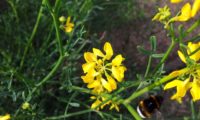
(165,55)
(56,24)
(194,26)
(132,111)
(51,73)
(32,34)
(68,115)
(193,110)
(161,81)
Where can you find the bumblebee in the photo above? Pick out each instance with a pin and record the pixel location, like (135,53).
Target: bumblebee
(148,106)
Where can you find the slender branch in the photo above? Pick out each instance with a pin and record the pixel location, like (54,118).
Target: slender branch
(68,115)
(32,34)
(132,111)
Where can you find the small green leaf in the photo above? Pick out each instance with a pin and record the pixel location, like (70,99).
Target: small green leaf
(143,51)
(153,43)
(157,55)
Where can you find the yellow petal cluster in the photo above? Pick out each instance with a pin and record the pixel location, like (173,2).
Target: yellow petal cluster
(163,14)
(5,117)
(25,105)
(68,26)
(101,72)
(188,11)
(192,81)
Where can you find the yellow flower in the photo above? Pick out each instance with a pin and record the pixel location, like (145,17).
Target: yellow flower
(163,14)
(185,13)
(195,7)
(192,51)
(5,117)
(192,76)
(181,87)
(101,72)
(176,1)
(69,25)
(25,105)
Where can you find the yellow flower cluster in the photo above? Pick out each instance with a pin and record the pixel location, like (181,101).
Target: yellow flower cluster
(102,73)
(5,117)
(68,27)
(192,80)
(187,12)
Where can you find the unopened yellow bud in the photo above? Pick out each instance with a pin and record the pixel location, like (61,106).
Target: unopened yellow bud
(62,19)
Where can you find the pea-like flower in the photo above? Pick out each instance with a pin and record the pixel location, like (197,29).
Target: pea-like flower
(192,77)
(187,12)
(163,14)
(181,87)
(102,74)
(5,117)
(68,26)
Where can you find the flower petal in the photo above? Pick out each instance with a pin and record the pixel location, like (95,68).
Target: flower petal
(118,72)
(176,1)
(172,84)
(112,82)
(97,52)
(185,13)
(109,51)
(94,84)
(181,56)
(176,97)
(5,117)
(195,7)
(106,85)
(192,47)
(117,60)
(89,57)
(195,90)
(95,104)
(87,67)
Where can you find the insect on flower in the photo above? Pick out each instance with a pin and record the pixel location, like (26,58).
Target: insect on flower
(149,105)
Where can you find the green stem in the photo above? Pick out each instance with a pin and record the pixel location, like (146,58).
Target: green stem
(193,110)
(52,72)
(194,26)
(32,34)
(14,10)
(132,111)
(161,81)
(68,115)
(61,51)
(56,24)
(165,55)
